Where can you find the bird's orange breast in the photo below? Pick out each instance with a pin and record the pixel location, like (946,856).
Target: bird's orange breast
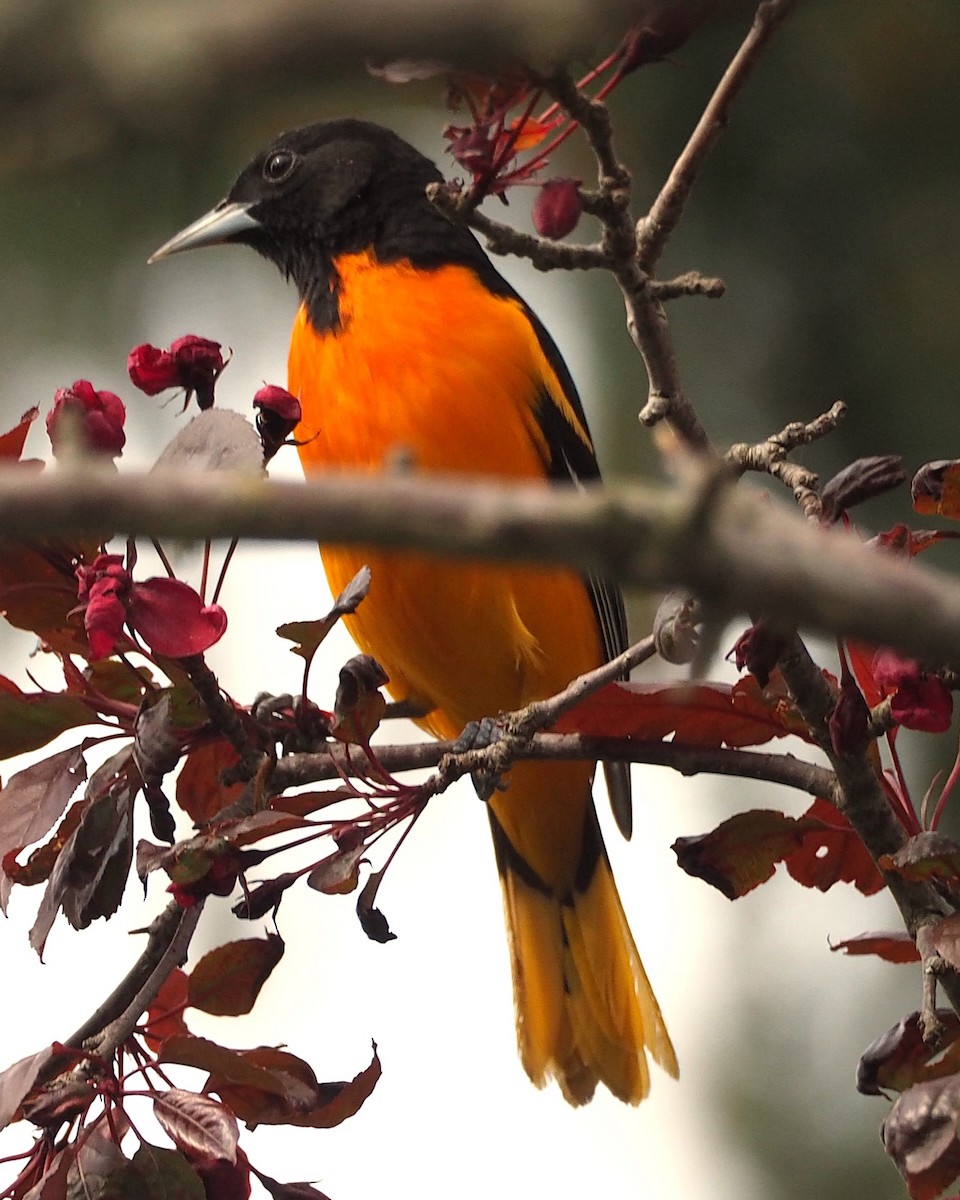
(434,366)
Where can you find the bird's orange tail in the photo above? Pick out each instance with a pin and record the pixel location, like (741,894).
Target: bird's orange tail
(586,1013)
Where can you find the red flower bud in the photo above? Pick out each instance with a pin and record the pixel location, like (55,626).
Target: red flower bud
(759,649)
(849,723)
(278,415)
(192,363)
(557,207)
(94,419)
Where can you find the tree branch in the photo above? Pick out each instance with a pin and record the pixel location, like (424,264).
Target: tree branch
(736,554)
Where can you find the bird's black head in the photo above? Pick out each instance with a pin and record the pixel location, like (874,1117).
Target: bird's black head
(337,187)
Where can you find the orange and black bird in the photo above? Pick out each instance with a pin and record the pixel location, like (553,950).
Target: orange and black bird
(407,338)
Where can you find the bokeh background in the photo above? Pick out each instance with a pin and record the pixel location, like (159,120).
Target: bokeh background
(830,209)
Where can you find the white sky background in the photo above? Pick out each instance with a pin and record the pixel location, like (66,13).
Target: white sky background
(454,1114)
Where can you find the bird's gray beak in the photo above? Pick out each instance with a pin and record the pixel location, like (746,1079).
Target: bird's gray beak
(219,225)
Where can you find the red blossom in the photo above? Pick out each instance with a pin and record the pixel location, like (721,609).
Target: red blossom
(192,363)
(919,700)
(103,590)
(172,619)
(82,414)
(557,208)
(167,614)
(278,415)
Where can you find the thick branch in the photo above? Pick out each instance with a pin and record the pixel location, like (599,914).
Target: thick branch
(737,554)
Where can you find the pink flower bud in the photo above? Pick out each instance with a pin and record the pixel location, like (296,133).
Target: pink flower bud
(557,207)
(93,418)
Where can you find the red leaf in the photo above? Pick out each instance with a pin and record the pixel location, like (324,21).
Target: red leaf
(929,856)
(11,442)
(892,947)
(860,657)
(833,854)
(29,720)
(225,1180)
(743,851)
(339,873)
(227,981)
(696,714)
(936,489)
(165,1015)
(200,793)
(920,1135)
(34,799)
(359,704)
(329,1103)
(243,1068)
(899,1058)
(17,1080)
(199,1126)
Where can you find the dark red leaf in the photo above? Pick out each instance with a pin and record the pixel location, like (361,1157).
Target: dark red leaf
(17,1081)
(227,981)
(339,873)
(929,856)
(892,947)
(225,1180)
(359,704)
(289,1191)
(831,853)
(859,481)
(308,635)
(899,1058)
(200,793)
(42,859)
(936,489)
(198,1125)
(329,1103)
(695,714)
(164,1018)
(259,1070)
(920,1135)
(91,869)
(34,799)
(743,851)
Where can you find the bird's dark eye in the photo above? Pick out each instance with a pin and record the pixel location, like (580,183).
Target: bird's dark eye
(279,166)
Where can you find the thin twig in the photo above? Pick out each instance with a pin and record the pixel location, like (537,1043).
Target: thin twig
(770,456)
(654,230)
